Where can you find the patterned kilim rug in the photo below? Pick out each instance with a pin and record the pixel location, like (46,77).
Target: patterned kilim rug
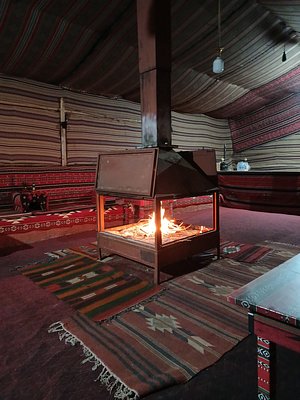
(166,341)
(243,252)
(95,289)
(171,338)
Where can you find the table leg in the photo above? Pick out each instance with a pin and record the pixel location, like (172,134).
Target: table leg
(266,369)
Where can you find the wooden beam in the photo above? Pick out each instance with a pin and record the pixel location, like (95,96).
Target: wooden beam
(63,132)
(154,43)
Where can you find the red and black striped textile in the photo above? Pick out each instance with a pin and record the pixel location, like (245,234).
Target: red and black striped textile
(277,192)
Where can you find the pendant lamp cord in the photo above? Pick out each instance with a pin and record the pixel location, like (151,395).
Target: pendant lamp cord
(219,26)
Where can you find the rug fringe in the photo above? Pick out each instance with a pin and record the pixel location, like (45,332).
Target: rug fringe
(113,384)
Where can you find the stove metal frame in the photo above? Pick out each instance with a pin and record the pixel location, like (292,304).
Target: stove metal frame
(135,174)
(158,255)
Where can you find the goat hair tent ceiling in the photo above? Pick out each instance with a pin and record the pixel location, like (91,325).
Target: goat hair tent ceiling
(91,46)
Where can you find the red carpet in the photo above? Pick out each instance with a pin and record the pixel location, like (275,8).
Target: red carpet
(13,225)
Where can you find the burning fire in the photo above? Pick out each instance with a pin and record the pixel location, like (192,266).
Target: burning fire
(167,226)
(145,229)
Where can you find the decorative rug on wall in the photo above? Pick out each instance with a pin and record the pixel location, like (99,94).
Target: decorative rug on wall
(95,289)
(244,252)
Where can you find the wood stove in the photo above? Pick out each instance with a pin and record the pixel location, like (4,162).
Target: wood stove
(157,176)
(155,172)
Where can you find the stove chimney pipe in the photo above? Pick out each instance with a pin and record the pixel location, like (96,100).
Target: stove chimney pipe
(154,44)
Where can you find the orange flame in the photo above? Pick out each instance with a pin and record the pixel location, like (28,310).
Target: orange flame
(167,226)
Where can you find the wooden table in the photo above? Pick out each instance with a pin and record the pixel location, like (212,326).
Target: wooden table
(273,303)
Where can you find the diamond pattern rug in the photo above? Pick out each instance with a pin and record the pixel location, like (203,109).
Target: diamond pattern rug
(171,337)
(167,340)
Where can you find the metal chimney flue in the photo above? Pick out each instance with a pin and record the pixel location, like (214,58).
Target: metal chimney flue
(154,45)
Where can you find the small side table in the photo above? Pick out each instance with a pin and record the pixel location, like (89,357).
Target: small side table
(273,302)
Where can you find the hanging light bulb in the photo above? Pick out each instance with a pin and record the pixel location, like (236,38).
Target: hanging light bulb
(218,63)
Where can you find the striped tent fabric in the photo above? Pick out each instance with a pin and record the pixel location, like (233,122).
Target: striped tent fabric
(71,34)
(255,99)
(96,123)
(30,128)
(274,121)
(92,47)
(29,136)
(193,131)
(282,153)
(29,123)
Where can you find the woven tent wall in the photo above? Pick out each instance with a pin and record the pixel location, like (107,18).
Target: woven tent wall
(30,126)
(279,119)
(279,155)
(97,123)
(270,136)
(29,123)
(30,129)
